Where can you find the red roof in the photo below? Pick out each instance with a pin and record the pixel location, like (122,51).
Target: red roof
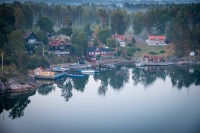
(57,43)
(27,34)
(156,37)
(119,37)
(146,55)
(40,68)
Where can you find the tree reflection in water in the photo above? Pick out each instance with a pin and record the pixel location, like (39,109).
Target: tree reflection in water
(66,92)
(15,103)
(45,89)
(103,88)
(180,76)
(117,78)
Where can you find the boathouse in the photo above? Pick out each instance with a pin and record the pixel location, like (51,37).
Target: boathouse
(146,58)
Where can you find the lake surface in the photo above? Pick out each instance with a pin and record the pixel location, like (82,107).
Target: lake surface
(140,100)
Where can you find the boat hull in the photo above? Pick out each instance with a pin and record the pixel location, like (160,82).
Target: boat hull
(74,76)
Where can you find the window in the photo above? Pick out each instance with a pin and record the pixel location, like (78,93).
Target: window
(31,40)
(62,47)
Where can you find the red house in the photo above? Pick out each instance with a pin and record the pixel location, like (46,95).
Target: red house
(93,51)
(156,40)
(146,58)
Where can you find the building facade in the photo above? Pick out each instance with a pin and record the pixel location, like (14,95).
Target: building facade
(156,40)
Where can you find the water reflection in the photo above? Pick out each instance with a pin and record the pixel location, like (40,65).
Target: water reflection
(117,78)
(183,77)
(15,103)
(180,76)
(148,75)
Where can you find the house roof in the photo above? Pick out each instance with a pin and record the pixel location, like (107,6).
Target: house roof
(27,34)
(119,37)
(146,55)
(100,49)
(56,42)
(40,68)
(156,37)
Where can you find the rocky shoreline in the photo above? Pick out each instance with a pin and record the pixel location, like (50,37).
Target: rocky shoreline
(17,85)
(23,83)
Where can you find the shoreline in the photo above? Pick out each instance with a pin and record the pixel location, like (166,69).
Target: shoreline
(18,84)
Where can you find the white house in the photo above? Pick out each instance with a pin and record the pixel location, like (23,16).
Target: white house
(120,39)
(192,53)
(156,40)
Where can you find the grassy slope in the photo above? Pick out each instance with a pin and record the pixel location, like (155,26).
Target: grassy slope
(145,49)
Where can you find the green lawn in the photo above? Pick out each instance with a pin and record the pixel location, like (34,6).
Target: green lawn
(145,49)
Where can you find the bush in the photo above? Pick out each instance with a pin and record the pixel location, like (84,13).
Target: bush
(131,44)
(133,40)
(129,53)
(41,62)
(131,49)
(138,49)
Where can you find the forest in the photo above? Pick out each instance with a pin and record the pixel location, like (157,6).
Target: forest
(180,23)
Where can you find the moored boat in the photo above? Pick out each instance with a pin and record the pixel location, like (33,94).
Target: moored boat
(88,71)
(75,75)
(60,69)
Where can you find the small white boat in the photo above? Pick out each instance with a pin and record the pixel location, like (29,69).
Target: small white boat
(60,69)
(88,71)
(139,64)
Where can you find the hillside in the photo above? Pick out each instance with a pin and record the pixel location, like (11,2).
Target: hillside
(145,49)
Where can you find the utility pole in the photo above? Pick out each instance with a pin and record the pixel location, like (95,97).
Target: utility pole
(116,43)
(43,49)
(2,60)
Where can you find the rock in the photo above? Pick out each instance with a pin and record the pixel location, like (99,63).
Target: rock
(19,88)
(2,88)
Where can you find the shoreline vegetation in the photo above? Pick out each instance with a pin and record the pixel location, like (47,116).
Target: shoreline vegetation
(88,25)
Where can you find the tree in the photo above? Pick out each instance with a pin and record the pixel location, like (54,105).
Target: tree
(80,43)
(15,50)
(67,22)
(67,29)
(152,53)
(95,42)
(118,23)
(103,35)
(104,18)
(133,40)
(137,23)
(162,52)
(28,16)
(111,43)
(45,25)
(87,30)
(41,37)
(19,18)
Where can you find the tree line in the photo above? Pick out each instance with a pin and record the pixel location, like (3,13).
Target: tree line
(179,22)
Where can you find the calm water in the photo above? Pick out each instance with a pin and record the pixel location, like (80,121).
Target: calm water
(148,100)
